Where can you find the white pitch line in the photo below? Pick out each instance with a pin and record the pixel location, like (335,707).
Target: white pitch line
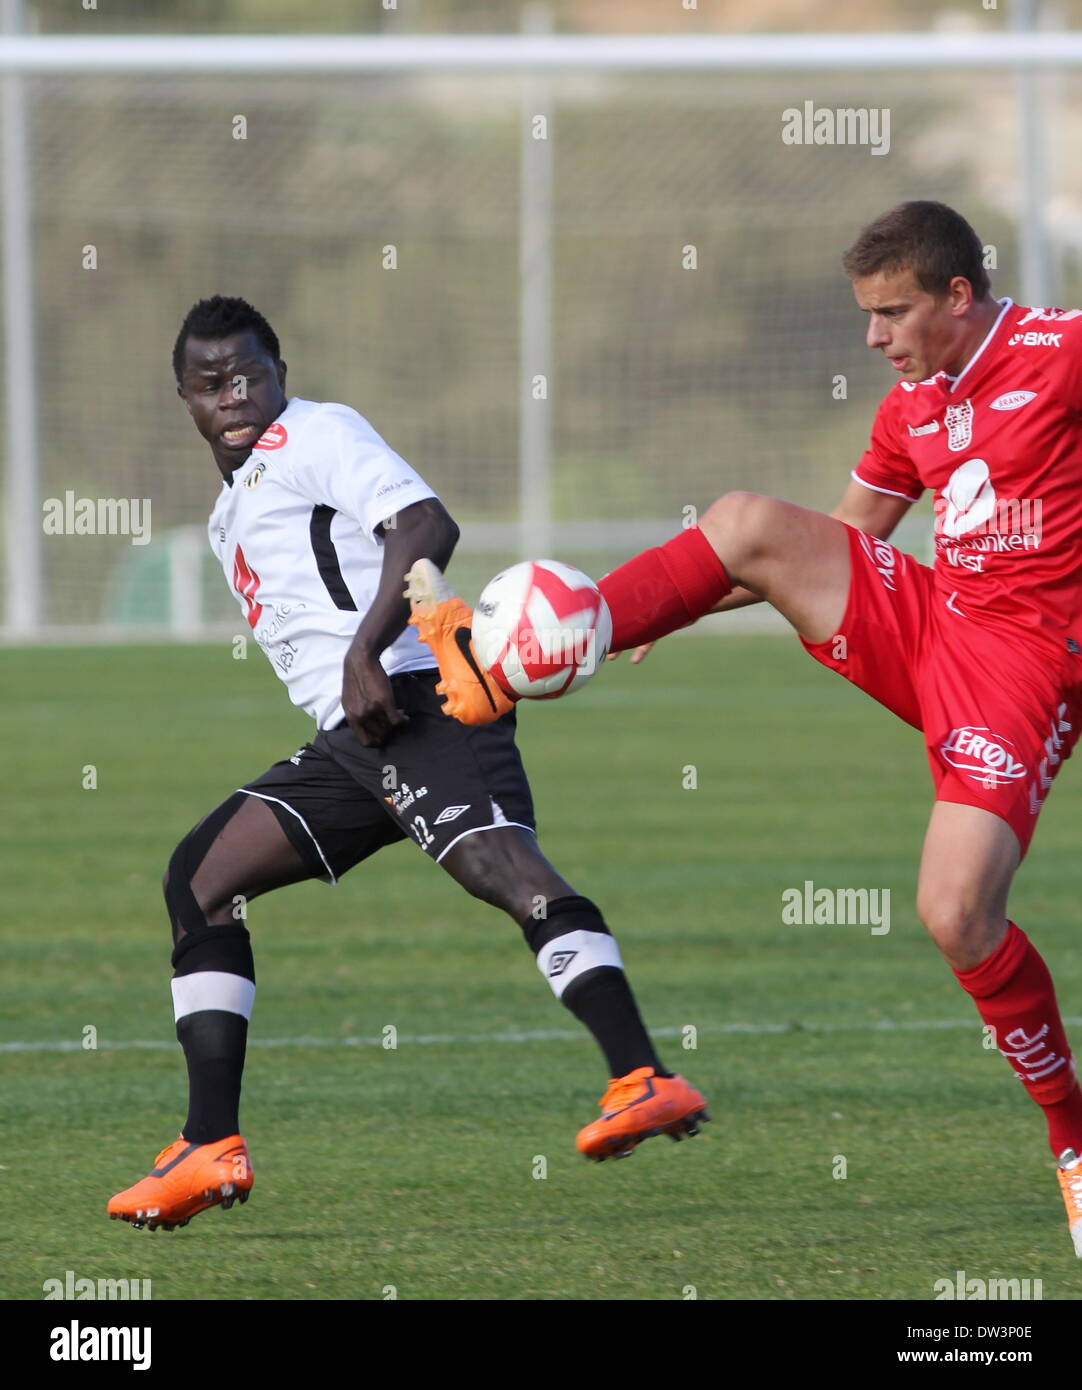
(550,1035)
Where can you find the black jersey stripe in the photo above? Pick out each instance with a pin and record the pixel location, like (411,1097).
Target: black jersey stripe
(330,571)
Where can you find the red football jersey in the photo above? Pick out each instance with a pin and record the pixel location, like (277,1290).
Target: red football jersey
(1001,446)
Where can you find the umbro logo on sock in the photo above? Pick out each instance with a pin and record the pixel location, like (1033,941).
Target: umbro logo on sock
(559,962)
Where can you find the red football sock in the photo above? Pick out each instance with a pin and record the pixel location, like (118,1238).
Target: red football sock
(1014,994)
(663,589)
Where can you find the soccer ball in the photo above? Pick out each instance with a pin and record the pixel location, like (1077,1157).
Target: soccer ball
(541,629)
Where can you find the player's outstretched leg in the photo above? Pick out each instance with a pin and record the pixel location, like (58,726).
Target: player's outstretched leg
(443,620)
(578,955)
(238,852)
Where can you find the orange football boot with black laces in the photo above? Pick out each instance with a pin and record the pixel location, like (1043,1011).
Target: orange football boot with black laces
(638,1106)
(443,621)
(185,1180)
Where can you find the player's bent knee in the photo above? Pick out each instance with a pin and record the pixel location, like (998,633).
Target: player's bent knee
(738,526)
(964,936)
(185,914)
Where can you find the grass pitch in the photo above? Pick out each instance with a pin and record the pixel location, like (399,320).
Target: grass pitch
(684,796)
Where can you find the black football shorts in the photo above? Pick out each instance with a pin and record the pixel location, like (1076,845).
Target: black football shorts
(434,781)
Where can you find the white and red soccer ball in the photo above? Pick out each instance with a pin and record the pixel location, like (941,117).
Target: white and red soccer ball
(541,629)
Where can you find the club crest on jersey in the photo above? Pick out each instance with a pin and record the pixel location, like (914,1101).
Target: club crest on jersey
(254,476)
(959,422)
(983,756)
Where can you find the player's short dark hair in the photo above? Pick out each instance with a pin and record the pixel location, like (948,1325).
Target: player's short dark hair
(930,239)
(221,317)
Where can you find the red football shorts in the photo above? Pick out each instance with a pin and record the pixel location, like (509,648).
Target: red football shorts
(999,715)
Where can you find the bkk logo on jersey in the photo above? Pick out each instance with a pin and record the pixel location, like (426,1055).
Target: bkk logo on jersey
(883,556)
(983,756)
(272,438)
(1034,339)
(959,422)
(1013,400)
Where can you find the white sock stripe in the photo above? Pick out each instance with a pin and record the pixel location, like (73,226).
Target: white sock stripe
(566,957)
(212,989)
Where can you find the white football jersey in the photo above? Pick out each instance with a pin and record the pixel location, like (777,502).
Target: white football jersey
(295,532)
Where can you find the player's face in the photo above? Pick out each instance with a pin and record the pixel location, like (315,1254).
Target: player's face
(917,332)
(233,390)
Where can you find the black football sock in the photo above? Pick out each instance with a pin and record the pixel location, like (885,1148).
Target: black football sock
(213,990)
(578,956)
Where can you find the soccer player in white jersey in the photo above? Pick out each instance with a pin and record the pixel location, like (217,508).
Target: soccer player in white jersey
(316,525)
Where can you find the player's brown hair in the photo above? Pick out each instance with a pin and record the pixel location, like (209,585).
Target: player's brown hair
(930,239)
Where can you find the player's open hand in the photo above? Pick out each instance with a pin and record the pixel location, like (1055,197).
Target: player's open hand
(639,654)
(369,702)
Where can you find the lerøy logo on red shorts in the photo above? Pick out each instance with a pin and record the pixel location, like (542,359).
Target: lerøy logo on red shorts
(273,438)
(986,757)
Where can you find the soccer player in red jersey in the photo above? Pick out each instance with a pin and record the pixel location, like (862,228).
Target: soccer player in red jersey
(982,651)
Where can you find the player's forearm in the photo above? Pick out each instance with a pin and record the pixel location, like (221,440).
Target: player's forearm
(424,531)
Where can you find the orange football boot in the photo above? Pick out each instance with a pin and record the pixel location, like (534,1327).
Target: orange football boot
(443,620)
(185,1180)
(1069,1173)
(637,1106)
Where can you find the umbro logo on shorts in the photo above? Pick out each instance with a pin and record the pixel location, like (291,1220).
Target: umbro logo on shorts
(449,813)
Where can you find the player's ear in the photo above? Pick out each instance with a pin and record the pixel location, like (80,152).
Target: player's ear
(960,292)
(184,398)
(282,375)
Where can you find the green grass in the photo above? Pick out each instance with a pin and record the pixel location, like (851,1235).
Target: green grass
(415,1167)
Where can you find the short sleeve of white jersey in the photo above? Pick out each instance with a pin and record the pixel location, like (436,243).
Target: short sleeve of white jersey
(340,461)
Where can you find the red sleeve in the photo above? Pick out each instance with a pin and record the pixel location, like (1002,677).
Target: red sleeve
(885,464)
